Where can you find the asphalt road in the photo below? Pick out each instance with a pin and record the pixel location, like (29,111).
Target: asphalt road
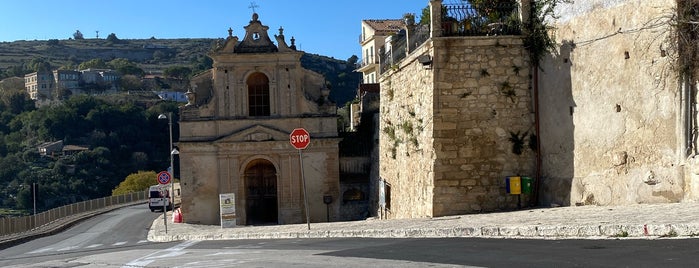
(117,239)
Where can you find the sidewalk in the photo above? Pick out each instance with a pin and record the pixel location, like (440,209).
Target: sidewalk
(648,221)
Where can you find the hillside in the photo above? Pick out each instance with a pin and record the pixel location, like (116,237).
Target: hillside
(153,56)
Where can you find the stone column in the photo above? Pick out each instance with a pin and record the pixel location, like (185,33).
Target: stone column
(436,18)
(524,10)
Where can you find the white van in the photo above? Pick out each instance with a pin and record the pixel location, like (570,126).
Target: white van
(159,197)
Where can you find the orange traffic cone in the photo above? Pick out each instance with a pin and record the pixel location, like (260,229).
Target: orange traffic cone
(177,216)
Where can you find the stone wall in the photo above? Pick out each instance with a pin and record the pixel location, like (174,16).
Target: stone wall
(447,129)
(406,150)
(483,123)
(610,105)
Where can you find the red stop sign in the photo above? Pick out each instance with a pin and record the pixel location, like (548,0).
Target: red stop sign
(299,138)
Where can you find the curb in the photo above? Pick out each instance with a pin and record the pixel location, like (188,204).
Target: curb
(610,231)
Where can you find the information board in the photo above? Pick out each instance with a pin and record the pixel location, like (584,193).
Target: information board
(227,208)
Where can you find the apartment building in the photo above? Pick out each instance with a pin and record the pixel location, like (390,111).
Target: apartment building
(372,39)
(39,85)
(58,84)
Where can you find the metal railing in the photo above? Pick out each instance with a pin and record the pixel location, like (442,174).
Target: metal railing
(465,20)
(402,44)
(13,225)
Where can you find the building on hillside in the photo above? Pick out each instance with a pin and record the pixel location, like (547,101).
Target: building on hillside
(234,135)
(456,115)
(39,85)
(618,104)
(172,96)
(66,83)
(59,84)
(50,148)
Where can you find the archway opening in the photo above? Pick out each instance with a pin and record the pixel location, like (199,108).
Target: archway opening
(261,193)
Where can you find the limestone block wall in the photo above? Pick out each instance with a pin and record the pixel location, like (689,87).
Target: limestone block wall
(610,105)
(483,123)
(406,145)
(448,129)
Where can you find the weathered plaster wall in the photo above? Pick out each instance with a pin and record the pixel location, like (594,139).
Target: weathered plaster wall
(609,107)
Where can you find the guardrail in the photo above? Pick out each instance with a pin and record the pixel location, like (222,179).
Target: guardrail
(13,225)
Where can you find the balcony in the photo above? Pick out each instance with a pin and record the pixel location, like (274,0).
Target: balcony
(364,63)
(465,20)
(457,20)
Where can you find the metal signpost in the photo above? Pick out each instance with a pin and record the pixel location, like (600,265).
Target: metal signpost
(300,139)
(164,178)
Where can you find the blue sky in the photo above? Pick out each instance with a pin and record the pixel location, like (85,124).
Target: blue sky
(329,28)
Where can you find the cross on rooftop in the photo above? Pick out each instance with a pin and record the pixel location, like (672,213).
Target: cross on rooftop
(253,6)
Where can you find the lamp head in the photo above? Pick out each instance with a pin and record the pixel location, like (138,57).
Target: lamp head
(162,116)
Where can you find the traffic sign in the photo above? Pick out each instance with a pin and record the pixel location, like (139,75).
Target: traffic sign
(164,177)
(299,138)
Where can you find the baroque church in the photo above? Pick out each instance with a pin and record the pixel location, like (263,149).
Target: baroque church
(234,135)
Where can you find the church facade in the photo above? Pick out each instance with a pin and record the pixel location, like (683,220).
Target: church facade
(234,135)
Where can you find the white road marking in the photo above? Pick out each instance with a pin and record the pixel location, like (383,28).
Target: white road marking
(165,253)
(94,246)
(142,241)
(119,243)
(67,248)
(40,250)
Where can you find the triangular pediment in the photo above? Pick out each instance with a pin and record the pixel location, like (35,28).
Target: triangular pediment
(255,133)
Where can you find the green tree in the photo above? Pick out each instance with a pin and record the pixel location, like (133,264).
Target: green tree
(112,38)
(15,71)
(494,9)
(179,72)
(93,64)
(39,64)
(425,17)
(135,183)
(130,82)
(125,67)
(78,35)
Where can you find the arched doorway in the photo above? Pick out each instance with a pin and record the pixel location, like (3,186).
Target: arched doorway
(261,193)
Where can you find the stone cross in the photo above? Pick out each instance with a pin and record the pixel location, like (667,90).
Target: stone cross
(253,6)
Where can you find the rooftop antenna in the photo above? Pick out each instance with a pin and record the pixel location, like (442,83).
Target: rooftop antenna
(253,6)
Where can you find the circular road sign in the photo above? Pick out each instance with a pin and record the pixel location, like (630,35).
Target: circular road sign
(299,138)
(164,177)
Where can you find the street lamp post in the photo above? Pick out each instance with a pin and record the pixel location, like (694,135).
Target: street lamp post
(173,152)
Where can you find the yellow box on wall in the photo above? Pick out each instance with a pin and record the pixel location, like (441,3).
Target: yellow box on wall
(514,185)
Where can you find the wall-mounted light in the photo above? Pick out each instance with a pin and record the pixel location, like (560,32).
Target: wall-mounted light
(425,60)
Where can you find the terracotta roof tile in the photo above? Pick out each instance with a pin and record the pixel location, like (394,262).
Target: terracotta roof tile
(386,26)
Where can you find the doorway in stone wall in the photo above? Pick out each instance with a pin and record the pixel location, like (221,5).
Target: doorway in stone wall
(261,193)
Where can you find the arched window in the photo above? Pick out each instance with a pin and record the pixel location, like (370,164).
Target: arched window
(258,95)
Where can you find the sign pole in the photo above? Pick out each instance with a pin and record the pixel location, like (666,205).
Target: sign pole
(305,197)
(300,138)
(164,214)
(164,179)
